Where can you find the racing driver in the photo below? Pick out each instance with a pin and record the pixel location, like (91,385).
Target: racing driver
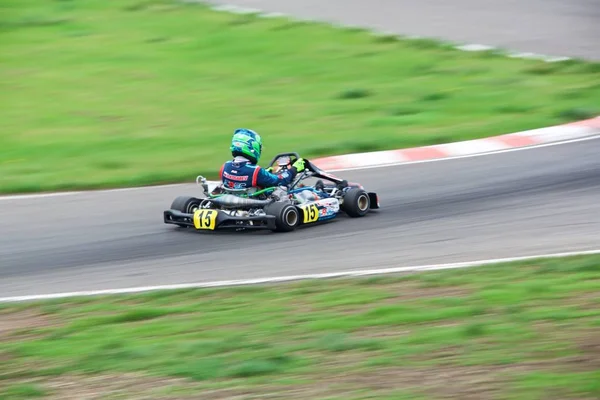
(243,171)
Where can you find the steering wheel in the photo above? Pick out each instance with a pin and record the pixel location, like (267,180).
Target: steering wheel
(295,156)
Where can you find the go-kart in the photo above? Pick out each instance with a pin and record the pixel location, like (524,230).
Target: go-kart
(280,208)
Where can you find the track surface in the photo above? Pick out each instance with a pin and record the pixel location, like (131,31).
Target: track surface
(511,204)
(552,27)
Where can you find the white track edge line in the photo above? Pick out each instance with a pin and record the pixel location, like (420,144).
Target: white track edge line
(399,163)
(245,282)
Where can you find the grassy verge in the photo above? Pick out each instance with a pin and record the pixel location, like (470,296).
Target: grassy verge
(527,331)
(133,92)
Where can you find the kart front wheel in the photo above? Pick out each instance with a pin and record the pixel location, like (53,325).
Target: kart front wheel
(356,203)
(287,217)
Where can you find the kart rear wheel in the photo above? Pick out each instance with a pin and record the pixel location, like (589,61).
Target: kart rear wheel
(185,204)
(356,203)
(287,217)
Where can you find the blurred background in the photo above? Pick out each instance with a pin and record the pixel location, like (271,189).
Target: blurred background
(110,110)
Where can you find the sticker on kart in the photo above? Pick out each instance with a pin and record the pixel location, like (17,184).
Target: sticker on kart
(205,219)
(311,213)
(319,210)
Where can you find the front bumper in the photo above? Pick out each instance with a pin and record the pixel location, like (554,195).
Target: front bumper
(219,220)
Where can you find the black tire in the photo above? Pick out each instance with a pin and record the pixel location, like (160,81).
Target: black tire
(185,204)
(287,216)
(356,203)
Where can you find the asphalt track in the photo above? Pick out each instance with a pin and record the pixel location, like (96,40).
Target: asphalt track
(518,203)
(504,205)
(568,28)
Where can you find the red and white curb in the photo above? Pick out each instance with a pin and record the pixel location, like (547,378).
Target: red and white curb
(525,139)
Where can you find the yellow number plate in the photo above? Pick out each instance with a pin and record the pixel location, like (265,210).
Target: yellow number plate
(205,219)
(311,213)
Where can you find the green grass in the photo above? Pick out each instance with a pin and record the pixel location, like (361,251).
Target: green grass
(520,330)
(22,391)
(111,93)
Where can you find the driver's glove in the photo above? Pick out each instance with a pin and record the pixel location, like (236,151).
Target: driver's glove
(299,165)
(270,169)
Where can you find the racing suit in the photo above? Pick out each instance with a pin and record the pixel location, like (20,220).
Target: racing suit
(240,173)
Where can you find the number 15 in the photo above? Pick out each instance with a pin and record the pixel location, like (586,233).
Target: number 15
(311,213)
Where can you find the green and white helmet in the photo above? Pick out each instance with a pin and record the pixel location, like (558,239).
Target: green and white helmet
(246,143)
